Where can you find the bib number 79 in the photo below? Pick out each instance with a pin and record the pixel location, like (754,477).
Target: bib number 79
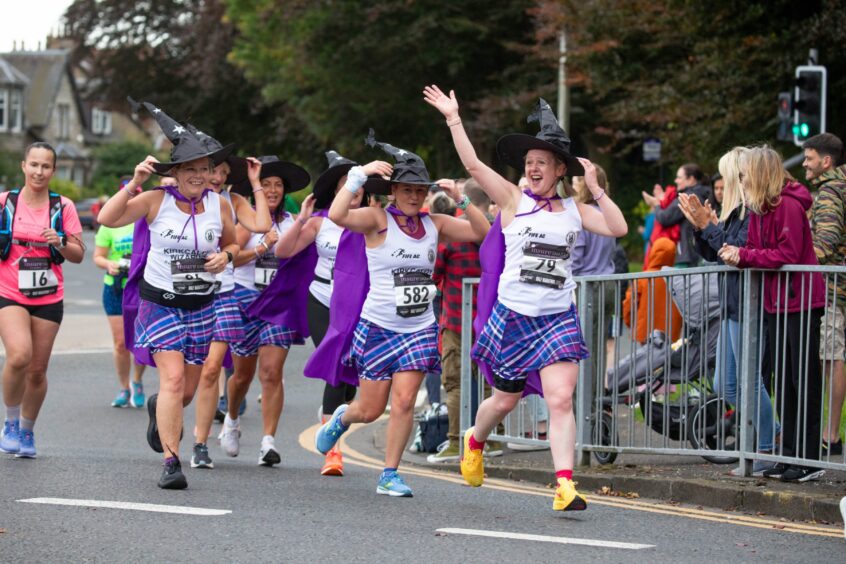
(546,265)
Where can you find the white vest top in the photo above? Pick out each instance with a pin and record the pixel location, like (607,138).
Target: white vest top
(401,287)
(327,248)
(257,274)
(537,278)
(173,263)
(226,279)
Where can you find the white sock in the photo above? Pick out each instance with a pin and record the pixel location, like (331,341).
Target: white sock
(13,412)
(27,424)
(231,423)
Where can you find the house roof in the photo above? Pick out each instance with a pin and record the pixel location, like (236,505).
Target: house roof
(45,70)
(10,76)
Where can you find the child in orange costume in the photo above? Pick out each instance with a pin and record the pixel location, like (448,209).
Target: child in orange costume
(654,299)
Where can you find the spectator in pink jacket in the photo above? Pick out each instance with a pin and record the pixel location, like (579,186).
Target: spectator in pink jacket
(780,235)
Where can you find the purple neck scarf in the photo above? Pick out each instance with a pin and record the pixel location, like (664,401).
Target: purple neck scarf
(543,202)
(395,211)
(173,191)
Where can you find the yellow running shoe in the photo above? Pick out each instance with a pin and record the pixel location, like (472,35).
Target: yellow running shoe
(567,498)
(472,463)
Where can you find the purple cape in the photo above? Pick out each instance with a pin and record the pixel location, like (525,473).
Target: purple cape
(326,363)
(284,300)
(492,259)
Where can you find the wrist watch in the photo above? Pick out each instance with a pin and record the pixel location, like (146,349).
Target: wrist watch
(229,255)
(63,242)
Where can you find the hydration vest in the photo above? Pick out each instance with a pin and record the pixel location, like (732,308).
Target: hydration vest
(7,222)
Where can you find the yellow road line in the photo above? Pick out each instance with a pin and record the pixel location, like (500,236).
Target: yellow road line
(306,440)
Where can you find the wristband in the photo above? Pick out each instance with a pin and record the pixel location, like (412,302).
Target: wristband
(259,189)
(601,195)
(265,245)
(451,122)
(229,256)
(355,179)
(462,205)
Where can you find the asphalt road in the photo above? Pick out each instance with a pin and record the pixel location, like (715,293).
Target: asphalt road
(90,451)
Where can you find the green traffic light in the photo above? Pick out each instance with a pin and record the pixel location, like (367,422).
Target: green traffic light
(804,129)
(796,130)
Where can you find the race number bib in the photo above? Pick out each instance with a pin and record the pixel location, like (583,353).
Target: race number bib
(266,267)
(36,277)
(414,292)
(544,264)
(190,277)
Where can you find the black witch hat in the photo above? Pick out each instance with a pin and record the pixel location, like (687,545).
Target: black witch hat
(324,186)
(294,177)
(237,165)
(186,145)
(512,148)
(409,168)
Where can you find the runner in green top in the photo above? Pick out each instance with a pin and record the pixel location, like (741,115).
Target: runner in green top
(112,252)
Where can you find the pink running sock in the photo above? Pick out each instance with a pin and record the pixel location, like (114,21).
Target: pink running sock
(565,474)
(476,445)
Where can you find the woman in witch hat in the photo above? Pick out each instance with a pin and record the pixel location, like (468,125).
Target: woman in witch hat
(264,344)
(228,326)
(396,339)
(191,239)
(320,231)
(532,341)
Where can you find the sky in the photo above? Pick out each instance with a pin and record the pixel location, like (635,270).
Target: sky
(29,21)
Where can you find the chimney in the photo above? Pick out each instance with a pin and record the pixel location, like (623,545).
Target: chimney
(14,45)
(23,45)
(39,46)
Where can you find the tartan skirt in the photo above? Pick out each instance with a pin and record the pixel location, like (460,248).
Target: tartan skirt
(228,325)
(161,328)
(378,353)
(513,344)
(258,332)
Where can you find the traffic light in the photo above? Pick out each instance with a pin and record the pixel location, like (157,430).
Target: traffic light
(809,99)
(785,116)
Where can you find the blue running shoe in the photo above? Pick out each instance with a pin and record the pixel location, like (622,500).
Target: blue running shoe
(392,484)
(27,449)
(10,437)
(331,431)
(122,399)
(138,398)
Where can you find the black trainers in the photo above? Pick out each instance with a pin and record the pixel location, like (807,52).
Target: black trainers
(201,458)
(801,474)
(152,428)
(172,476)
(832,449)
(776,471)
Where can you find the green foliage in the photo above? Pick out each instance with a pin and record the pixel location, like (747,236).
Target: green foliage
(113,161)
(66,188)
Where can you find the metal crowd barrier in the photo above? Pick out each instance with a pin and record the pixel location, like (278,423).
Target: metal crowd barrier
(659,396)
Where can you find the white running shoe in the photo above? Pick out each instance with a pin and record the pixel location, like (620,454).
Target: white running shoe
(230,436)
(268,455)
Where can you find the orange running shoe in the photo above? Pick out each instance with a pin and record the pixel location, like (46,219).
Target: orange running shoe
(334,465)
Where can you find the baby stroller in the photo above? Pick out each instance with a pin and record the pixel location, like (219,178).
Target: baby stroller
(670,382)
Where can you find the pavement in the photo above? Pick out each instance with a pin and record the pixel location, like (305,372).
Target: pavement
(677,479)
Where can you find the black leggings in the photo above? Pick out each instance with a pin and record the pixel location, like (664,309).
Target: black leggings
(318,323)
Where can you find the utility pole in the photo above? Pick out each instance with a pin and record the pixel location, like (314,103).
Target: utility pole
(563,91)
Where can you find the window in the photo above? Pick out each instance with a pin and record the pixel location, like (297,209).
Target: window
(16,110)
(101,122)
(4,112)
(64,121)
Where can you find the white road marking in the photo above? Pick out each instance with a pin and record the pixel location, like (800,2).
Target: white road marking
(544,538)
(180,510)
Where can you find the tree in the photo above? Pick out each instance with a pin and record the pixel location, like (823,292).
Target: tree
(113,161)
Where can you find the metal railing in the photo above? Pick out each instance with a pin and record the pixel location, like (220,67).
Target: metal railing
(656,394)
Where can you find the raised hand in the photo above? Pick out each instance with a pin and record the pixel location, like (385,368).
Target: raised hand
(590,176)
(144,170)
(451,188)
(381,168)
(650,200)
(307,209)
(447,105)
(253,170)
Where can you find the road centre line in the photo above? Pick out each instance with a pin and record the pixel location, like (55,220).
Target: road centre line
(306,441)
(152,507)
(546,538)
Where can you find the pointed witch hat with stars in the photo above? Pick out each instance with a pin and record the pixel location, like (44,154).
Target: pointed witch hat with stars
(324,186)
(186,145)
(512,148)
(409,168)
